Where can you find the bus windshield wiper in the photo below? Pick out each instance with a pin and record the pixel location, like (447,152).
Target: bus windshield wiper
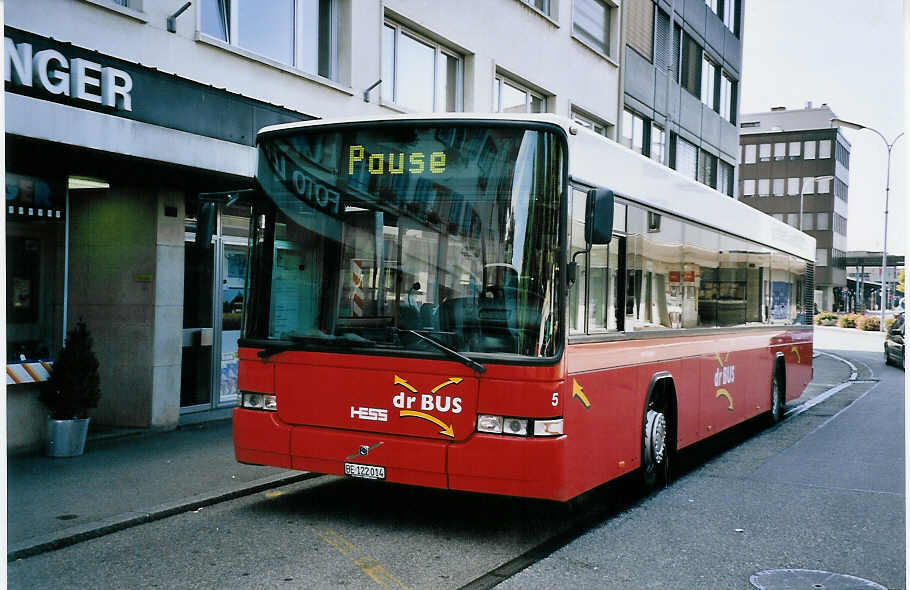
(305,342)
(452,353)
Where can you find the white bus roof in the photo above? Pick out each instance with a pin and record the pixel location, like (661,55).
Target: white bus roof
(594,159)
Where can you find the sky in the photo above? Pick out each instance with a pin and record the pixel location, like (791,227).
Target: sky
(849,55)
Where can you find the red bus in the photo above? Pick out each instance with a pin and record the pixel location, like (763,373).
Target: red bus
(505,304)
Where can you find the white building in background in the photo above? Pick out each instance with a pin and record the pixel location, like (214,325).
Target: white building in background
(119,112)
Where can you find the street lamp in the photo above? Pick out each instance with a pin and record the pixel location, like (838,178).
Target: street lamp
(802,194)
(835,122)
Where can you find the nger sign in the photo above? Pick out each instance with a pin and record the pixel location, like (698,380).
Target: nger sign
(77,78)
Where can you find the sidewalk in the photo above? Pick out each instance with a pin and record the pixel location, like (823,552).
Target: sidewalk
(123,482)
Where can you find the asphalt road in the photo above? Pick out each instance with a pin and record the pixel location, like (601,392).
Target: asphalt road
(822,490)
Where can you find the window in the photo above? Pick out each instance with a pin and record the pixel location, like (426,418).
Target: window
(842,155)
(808,218)
(824,149)
(686,158)
(590,122)
(778,187)
(780,151)
(794,150)
(658,142)
(299,33)
(840,224)
(749,124)
(748,187)
(690,65)
(633,131)
(749,154)
(778,216)
(662,41)
(810,151)
(419,74)
(594,296)
(793,219)
(541,5)
(808,185)
(36,231)
(729,14)
(840,189)
(708,82)
(727,98)
(724,177)
(512,97)
(823,221)
(592,22)
(821,257)
(764,152)
(824,186)
(793,186)
(707,169)
(764,187)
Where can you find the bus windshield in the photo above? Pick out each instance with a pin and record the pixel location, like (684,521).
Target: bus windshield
(408,237)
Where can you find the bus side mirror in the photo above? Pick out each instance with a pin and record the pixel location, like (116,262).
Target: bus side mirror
(599,216)
(205,223)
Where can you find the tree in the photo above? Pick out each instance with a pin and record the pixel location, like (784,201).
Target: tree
(74,385)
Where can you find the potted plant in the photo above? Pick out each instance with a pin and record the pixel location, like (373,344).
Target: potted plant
(72,389)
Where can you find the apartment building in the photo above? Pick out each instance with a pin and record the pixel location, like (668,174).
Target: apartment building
(681,64)
(120,112)
(796,167)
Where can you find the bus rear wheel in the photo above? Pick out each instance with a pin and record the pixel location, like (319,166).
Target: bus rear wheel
(776,413)
(654,449)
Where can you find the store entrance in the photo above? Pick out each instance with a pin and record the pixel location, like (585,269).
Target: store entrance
(214,295)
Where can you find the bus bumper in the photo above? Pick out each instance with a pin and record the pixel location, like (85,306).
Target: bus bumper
(514,466)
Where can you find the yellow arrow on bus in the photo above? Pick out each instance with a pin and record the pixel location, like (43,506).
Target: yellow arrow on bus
(405,384)
(447,429)
(579,392)
(726,394)
(795,351)
(450,381)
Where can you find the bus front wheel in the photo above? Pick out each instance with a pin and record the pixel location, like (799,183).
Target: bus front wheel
(655,449)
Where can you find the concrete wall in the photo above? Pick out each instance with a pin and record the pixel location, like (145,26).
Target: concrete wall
(125,282)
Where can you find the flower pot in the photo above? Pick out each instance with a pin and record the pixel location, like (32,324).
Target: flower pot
(66,438)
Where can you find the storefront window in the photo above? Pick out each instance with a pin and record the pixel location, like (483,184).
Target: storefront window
(35,237)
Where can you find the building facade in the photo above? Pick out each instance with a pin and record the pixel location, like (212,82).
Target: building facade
(120,112)
(682,64)
(796,167)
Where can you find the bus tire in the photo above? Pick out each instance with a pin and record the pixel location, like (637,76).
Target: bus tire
(656,439)
(776,413)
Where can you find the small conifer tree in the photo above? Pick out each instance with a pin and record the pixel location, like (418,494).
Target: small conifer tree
(74,385)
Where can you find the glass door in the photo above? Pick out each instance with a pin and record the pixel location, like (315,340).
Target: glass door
(214,282)
(198,332)
(233,257)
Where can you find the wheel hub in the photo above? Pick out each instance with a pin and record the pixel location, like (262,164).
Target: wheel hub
(655,437)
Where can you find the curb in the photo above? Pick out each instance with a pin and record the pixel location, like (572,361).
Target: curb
(119,522)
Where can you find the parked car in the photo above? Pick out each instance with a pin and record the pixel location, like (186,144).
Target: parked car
(894,343)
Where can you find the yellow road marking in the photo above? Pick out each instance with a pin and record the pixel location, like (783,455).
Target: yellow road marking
(367,564)
(273,494)
(447,429)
